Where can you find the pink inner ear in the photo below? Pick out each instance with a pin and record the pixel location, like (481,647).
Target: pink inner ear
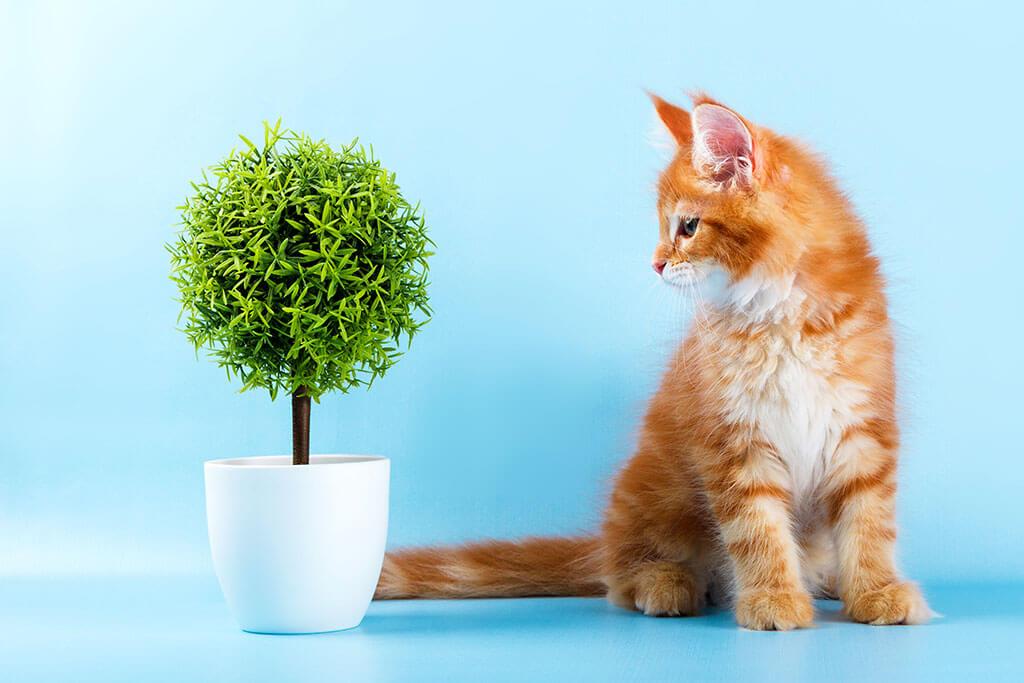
(722,145)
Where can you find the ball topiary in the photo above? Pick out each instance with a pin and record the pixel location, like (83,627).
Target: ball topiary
(301,268)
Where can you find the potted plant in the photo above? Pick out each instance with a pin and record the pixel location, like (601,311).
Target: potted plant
(301,269)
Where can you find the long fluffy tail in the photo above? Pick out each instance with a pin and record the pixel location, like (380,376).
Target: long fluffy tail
(528,567)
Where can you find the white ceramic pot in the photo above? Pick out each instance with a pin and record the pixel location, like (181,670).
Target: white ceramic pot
(298,548)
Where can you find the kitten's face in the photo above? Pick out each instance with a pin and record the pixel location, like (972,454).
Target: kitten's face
(715,207)
(692,240)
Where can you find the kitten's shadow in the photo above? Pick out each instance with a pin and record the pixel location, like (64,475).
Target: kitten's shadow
(453,617)
(461,616)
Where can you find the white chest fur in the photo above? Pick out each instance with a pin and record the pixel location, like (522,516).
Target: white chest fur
(787,390)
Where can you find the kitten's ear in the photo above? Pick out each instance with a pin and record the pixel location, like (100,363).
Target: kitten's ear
(676,119)
(723,148)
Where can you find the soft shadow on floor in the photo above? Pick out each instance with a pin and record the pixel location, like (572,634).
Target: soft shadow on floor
(958,605)
(514,615)
(458,616)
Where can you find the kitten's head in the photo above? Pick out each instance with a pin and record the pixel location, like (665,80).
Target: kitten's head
(730,200)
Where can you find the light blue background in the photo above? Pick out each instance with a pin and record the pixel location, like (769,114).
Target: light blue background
(524,130)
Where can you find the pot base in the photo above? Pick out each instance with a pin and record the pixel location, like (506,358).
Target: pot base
(300,633)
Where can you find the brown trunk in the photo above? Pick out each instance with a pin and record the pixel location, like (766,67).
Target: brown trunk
(300,427)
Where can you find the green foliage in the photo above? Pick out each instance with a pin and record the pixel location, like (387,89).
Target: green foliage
(300,267)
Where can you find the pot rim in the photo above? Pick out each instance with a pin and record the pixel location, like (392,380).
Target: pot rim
(285,461)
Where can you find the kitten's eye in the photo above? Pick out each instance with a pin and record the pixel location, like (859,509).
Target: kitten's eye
(688,226)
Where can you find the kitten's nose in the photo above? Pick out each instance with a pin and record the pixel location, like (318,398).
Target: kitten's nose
(659,265)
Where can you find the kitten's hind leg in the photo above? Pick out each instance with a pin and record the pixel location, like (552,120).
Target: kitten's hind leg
(660,589)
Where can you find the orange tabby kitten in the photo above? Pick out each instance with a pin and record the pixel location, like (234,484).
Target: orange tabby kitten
(765,472)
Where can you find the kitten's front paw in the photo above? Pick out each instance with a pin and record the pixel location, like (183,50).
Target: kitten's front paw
(774,610)
(894,603)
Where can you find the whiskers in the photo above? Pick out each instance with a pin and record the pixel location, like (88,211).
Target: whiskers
(672,306)
(682,313)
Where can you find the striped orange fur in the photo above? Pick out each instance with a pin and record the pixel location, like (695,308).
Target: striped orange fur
(765,471)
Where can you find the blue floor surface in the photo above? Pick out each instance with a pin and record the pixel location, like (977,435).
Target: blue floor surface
(174,629)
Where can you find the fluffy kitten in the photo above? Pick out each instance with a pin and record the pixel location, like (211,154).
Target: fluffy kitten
(766,467)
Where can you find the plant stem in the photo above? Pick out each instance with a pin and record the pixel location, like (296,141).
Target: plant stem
(300,427)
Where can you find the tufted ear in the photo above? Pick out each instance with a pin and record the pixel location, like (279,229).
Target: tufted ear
(723,149)
(676,119)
